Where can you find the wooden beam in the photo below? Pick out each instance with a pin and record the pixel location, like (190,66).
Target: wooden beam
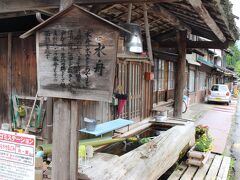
(171,18)
(88,2)
(207,44)
(180,81)
(204,14)
(196,44)
(168,35)
(16,5)
(97,8)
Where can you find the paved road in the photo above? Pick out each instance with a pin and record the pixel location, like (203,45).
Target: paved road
(236,142)
(219,120)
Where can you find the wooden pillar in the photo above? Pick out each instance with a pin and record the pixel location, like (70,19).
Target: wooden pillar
(180,73)
(148,36)
(9,77)
(65,133)
(65,139)
(74,140)
(129,13)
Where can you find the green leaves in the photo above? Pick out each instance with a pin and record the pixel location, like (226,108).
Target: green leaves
(234,60)
(204,143)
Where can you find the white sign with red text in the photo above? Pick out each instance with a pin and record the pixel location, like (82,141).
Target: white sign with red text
(17,156)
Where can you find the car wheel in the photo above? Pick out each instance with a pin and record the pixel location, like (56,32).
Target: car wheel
(228,103)
(208,102)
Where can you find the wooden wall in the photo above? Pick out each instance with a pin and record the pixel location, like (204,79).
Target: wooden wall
(130,77)
(19,77)
(3,79)
(18,70)
(24,70)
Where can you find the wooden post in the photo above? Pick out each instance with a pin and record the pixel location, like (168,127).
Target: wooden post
(180,73)
(65,3)
(65,139)
(148,36)
(61,139)
(129,13)
(74,141)
(9,77)
(65,133)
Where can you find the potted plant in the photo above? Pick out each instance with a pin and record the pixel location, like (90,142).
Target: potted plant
(199,153)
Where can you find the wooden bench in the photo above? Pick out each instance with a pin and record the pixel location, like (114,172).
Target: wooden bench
(217,167)
(108,127)
(163,106)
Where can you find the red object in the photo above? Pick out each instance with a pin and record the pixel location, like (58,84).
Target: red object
(227,94)
(121,104)
(209,92)
(149,76)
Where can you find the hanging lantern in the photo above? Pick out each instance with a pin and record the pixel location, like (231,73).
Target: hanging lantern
(133,42)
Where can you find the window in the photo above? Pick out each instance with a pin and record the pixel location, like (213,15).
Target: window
(158,74)
(171,77)
(191,85)
(214,88)
(202,81)
(155,74)
(223,88)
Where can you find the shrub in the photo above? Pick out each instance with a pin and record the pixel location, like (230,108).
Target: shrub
(204,143)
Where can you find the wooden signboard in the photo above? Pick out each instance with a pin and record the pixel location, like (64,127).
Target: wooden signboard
(76,56)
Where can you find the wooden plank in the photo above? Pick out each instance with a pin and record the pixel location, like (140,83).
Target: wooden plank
(204,14)
(74,140)
(176,175)
(9,78)
(61,141)
(171,18)
(202,171)
(180,81)
(189,173)
(223,171)
(212,173)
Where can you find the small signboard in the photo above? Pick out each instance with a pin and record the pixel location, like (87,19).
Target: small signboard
(76,55)
(17,156)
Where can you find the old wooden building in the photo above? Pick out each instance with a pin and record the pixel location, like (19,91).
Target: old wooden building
(31,66)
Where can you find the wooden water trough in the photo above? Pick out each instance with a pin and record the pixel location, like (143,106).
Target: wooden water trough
(148,161)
